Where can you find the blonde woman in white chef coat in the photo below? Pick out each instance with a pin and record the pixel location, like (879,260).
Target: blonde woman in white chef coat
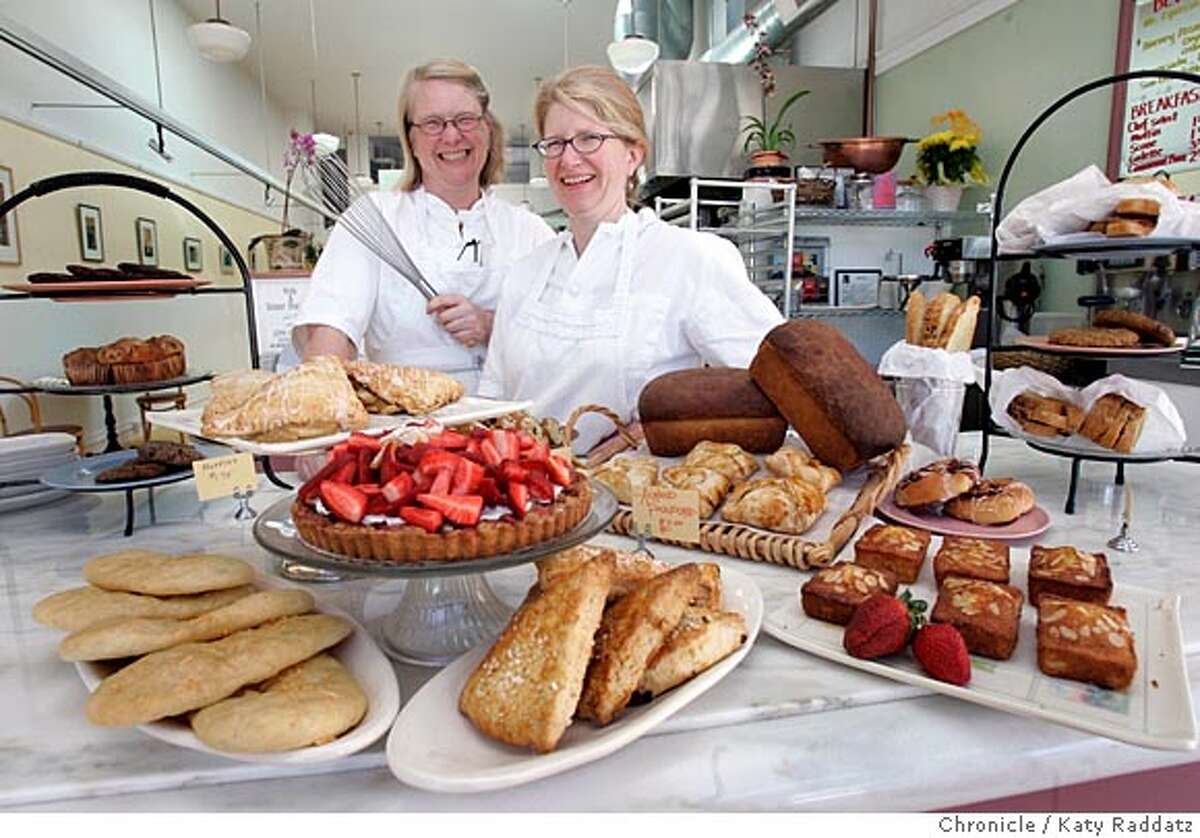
(621,297)
(460,236)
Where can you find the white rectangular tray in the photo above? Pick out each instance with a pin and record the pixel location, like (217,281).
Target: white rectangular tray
(466,409)
(1155,711)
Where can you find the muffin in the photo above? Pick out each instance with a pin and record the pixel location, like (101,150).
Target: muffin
(83,367)
(133,361)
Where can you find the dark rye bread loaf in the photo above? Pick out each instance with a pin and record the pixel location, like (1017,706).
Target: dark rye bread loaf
(719,404)
(833,398)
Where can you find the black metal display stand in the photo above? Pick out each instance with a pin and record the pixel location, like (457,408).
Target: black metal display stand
(1132,249)
(76,180)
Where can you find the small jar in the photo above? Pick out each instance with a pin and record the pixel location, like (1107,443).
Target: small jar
(864,198)
(909,197)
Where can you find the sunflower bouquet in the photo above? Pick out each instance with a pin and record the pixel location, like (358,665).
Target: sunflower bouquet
(949,157)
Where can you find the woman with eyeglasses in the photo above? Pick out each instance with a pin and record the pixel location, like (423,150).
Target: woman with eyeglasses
(461,237)
(620,297)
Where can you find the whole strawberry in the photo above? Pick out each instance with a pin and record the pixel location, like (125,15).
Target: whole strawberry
(942,652)
(882,624)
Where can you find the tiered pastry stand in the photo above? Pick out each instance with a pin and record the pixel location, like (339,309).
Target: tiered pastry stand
(447,608)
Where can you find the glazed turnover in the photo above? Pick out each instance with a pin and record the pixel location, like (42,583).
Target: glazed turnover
(449,497)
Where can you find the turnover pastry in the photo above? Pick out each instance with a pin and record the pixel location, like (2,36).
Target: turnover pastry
(780,504)
(231,390)
(792,462)
(711,485)
(620,474)
(998,501)
(729,459)
(391,388)
(1114,422)
(310,400)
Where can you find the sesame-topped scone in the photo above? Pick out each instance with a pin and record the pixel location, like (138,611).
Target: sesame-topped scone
(898,550)
(835,591)
(986,614)
(1084,641)
(1068,572)
(975,558)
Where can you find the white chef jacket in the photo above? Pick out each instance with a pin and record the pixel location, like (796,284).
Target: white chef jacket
(645,298)
(353,291)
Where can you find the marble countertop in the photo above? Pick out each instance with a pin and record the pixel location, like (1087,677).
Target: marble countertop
(785,731)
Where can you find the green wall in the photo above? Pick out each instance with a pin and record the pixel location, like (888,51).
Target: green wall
(1003,72)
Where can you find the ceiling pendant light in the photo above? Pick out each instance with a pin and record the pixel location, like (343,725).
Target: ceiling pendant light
(633,54)
(218,40)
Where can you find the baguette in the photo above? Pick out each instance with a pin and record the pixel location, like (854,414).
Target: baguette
(914,318)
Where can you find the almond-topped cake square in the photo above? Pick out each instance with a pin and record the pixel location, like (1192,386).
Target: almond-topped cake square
(898,550)
(834,592)
(986,614)
(1068,572)
(975,558)
(1084,641)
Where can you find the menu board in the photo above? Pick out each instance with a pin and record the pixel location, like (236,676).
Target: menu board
(1161,125)
(277,299)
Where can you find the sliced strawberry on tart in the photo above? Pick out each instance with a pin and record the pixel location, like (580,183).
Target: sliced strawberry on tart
(439,496)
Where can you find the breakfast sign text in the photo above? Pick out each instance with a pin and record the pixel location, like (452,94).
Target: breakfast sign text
(667,514)
(221,477)
(1161,129)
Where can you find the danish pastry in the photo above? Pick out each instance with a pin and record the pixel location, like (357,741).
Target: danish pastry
(998,501)
(711,485)
(780,504)
(937,482)
(729,459)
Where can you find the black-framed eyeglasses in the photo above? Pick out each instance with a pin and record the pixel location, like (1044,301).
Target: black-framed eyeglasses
(434,126)
(583,143)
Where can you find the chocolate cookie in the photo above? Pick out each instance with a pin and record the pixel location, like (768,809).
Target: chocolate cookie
(1107,338)
(1147,328)
(134,470)
(168,454)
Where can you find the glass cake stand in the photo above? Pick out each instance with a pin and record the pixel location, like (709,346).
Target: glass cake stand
(447,607)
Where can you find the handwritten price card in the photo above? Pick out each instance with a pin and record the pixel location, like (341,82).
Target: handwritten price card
(221,477)
(667,514)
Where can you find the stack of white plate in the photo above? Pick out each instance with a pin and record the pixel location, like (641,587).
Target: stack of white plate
(26,458)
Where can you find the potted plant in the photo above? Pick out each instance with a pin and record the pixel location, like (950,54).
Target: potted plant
(948,160)
(765,141)
(286,251)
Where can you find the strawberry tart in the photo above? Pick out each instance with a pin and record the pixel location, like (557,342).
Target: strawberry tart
(440,496)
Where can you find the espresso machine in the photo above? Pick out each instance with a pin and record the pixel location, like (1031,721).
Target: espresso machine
(962,262)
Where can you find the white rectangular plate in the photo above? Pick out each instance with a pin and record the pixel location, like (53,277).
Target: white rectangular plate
(1155,711)
(466,409)
(358,653)
(435,747)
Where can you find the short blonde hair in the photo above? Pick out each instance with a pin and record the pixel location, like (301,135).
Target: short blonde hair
(450,69)
(599,93)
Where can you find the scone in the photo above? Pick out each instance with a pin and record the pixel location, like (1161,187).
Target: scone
(999,501)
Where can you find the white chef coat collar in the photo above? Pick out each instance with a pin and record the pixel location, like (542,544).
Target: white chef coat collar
(438,206)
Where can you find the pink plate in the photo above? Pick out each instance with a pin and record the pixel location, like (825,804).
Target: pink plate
(1034,522)
(1043,344)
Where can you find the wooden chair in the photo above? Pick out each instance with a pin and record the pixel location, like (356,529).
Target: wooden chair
(155,401)
(35,418)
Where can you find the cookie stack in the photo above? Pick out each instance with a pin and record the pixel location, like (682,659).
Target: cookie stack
(154,459)
(246,668)
(956,486)
(1117,329)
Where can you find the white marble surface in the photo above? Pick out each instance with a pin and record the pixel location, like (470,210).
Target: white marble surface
(760,740)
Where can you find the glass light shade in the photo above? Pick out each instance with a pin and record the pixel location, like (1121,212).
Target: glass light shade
(633,55)
(219,41)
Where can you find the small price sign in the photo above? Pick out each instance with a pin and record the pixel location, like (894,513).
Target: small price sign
(667,514)
(221,477)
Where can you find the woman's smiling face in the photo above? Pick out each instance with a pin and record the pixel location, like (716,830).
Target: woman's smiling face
(589,187)
(452,160)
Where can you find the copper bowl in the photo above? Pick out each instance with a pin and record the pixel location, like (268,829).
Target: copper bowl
(874,155)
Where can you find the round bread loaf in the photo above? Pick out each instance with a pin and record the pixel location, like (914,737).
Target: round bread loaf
(718,404)
(834,399)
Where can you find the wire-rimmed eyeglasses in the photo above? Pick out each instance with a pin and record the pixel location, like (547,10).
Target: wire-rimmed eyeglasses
(434,126)
(582,143)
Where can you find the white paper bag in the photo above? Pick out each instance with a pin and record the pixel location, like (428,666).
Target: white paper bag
(930,389)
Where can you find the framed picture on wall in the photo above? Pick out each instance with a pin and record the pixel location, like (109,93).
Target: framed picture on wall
(10,245)
(227,266)
(91,233)
(147,241)
(193,254)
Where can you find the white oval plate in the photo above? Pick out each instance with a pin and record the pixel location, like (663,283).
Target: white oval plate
(433,746)
(358,653)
